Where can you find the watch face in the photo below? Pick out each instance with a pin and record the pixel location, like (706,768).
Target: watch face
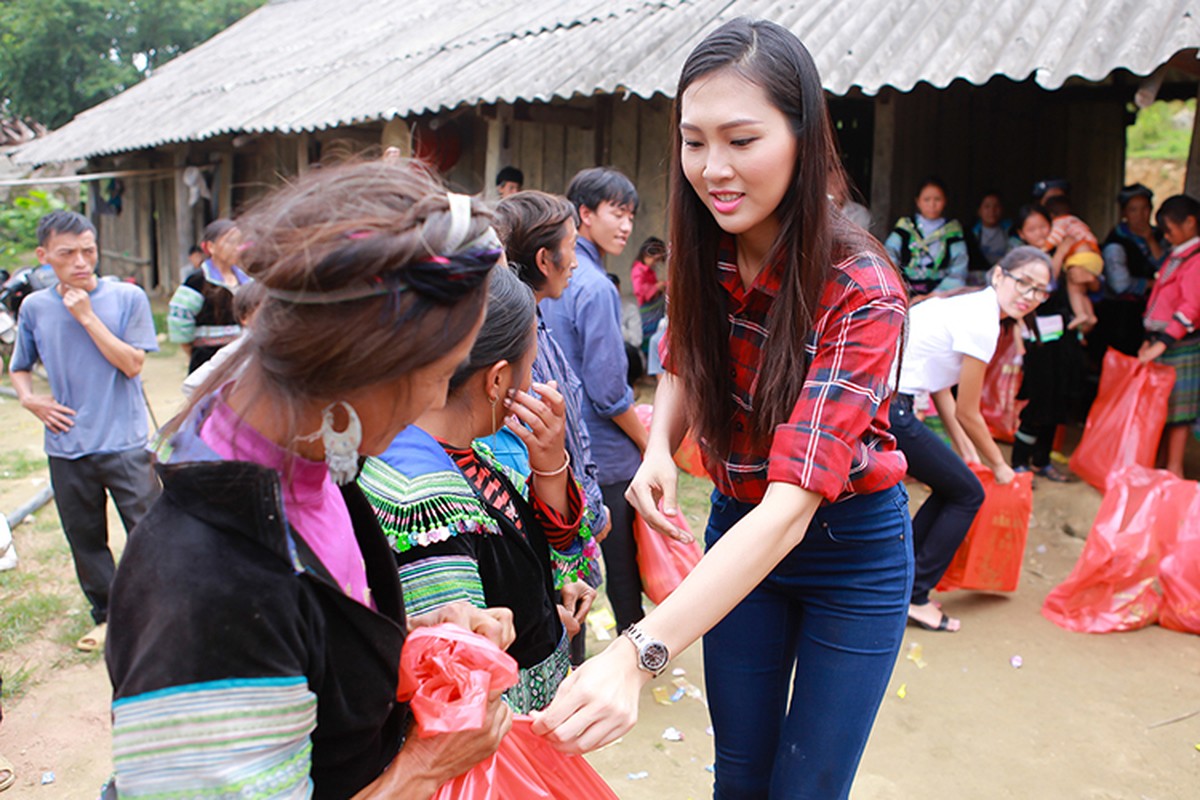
(654,656)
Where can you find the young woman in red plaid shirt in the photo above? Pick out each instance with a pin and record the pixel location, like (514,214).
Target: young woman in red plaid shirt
(785,321)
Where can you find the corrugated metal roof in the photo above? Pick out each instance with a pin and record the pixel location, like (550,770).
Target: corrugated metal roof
(305,65)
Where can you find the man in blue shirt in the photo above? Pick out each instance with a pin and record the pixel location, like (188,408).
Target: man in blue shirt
(586,323)
(92,336)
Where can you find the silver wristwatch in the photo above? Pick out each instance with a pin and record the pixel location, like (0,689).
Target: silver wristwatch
(652,654)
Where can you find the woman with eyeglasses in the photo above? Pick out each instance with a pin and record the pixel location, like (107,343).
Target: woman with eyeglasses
(951,339)
(1054,366)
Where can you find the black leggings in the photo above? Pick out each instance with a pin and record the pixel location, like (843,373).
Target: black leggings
(1032,444)
(622,580)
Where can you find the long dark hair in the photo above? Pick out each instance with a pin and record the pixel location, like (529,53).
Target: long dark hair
(811,236)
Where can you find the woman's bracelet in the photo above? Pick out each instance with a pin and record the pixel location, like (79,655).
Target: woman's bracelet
(552,473)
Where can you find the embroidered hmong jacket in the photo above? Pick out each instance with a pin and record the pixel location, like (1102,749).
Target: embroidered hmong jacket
(937,262)
(452,546)
(239,668)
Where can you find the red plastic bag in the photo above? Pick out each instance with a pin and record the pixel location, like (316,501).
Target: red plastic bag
(688,457)
(526,766)
(663,562)
(990,557)
(1179,576)
(446,673)
(998,402)
(1112,585)
(1126,420)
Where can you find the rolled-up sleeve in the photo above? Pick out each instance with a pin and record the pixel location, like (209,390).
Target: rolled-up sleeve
(822,447)
(598,317)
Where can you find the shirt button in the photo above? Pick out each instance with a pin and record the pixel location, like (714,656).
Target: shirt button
(739,427)
(733,373)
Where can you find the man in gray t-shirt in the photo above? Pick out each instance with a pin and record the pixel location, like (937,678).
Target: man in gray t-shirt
(92,336)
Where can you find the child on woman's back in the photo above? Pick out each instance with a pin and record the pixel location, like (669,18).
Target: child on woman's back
(1078,254)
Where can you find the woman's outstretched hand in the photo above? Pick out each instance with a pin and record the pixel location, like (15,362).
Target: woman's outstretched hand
(597,703)
(657,480)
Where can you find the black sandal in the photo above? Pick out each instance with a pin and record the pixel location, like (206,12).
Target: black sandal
(942,626)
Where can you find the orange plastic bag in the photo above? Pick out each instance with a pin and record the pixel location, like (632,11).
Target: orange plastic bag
(688,457)
(1126,420)
(1179,576)
(1111,587)
(446,674)
(990,557)
(998,402)
(663,562)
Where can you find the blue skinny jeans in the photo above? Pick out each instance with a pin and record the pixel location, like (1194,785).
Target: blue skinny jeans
(826,624)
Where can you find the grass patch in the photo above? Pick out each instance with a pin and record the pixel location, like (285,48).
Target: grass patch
(14,581)
(74,626)
(46,520)
(693,496)
(22,617)
(16,681)
(166,349)
(17,464)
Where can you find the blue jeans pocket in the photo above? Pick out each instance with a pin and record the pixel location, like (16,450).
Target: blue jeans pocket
(862,520)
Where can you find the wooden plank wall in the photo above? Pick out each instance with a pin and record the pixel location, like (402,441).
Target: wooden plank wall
(636,136)
(127,247)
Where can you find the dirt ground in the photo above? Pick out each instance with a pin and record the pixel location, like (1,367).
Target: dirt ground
(1079,719)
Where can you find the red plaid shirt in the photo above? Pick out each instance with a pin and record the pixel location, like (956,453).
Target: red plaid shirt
(836,441)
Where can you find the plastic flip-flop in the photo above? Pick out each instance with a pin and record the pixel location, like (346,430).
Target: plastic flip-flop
(943,624)
(8,775)
(93,639)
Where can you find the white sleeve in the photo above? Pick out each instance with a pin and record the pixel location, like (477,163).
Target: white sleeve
(975,325)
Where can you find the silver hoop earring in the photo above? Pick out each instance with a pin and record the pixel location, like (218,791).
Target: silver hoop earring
(341,447)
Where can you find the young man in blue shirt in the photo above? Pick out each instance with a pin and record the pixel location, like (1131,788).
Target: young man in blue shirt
(92,336)
(586,323)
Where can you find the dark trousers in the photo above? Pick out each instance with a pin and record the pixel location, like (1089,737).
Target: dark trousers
(621,578)
(1032,445)
(79,487)
(955,496)
(826,626)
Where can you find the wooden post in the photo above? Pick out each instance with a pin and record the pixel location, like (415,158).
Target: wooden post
(883,161)
(224,198)
(1191,185)
(143,220)
(499,146)
(302,153)
(396,133)
(185,233)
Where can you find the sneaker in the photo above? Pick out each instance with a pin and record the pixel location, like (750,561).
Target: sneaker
(1053,473)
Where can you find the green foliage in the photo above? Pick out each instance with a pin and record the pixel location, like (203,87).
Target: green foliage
(59,57)
(17,464)
(18,226)
(16,681)
(1162,131)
